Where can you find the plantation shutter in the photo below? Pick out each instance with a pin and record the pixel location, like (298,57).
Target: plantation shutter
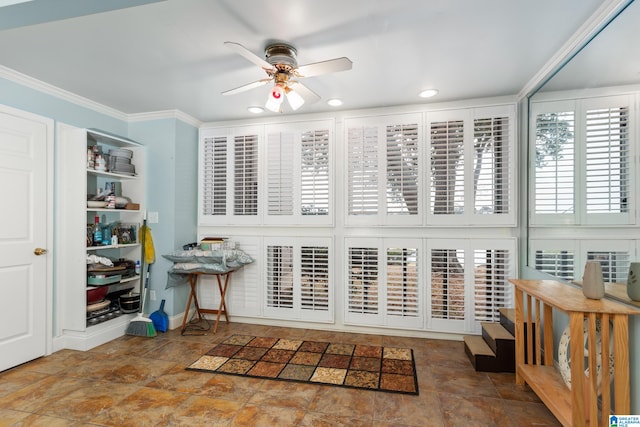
(245,183)
(298,285)
(447,284)
(402,282)
(491,177)
(362,280)
(214,176)
(383,283)
(402,169)
(447,167)
(362,153)
(556,262)
(280,173)
(314,283)
(314,172)
(607,160)
(555,163)
(279,276)
(491,280)
(469,282)
(614,264)
(298,178)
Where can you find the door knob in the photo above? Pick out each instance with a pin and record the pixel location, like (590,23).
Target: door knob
(39,251)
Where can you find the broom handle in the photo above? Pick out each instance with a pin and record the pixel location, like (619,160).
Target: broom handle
(142,269)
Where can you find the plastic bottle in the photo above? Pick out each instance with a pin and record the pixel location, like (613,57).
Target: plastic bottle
(137,267)
(97,232)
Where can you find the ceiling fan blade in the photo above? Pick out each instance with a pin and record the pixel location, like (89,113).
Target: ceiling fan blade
(307,94)
(247,87)
(324,67)
(243,51)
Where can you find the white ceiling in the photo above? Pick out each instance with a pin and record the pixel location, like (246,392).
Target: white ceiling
(166,55)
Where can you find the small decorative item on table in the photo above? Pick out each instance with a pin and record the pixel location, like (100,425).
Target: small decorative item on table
(592,280)
(633,281)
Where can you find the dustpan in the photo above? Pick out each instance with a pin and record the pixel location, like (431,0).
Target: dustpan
(160,319)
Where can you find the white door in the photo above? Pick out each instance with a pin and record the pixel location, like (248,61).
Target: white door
(25,141)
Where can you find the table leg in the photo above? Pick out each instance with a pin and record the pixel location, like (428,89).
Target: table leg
(222,308)
(193,281)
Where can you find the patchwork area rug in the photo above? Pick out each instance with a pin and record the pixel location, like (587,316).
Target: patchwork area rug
(388,369)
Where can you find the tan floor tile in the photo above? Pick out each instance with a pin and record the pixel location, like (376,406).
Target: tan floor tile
(530,414)
(41,393)
(88,401)
(204,411)
(230,387)
(254,415)
(285,394)
(34,420)
(317,419)
(128,370)
(464,383)
(344,402)
(178,351)
(471,411)
(145,407)
(401,409)
(16,379)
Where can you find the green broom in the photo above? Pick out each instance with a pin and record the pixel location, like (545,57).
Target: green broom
(143,326)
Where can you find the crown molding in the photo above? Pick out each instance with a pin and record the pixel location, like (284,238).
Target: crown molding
(587,31)
(40,86)
(165,114)
(43,87)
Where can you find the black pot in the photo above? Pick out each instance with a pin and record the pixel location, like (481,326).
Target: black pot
(129,302)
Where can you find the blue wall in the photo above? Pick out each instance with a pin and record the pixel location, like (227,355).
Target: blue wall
(171,165)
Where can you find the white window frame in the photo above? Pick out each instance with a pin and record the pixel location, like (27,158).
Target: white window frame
(579,216)
(469,324)
(468,117)
(292,132)
(384,317)
(229,218)
(297,312)
(381,217)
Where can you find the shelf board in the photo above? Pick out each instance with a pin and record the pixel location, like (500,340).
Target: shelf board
(112,210)
(547,383)
(128,245)
(111,174)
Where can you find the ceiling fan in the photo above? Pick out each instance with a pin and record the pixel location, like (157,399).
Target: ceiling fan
(281,66)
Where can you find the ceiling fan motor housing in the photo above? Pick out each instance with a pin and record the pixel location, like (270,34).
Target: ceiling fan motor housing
(282,56)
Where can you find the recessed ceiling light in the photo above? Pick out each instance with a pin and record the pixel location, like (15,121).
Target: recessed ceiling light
(428,93)
(255,110)
(335,102)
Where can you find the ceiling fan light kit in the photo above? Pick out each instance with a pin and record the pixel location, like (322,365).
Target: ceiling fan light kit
(281,66)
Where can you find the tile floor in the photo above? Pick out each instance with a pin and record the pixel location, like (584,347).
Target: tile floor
(136,381)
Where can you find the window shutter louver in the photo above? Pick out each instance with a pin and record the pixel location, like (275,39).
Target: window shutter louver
(491,165)
(447,284)
(402,169)
(245,201)
(280,276)
(555,158)
(558,263)
(280,173)
(314,172)
(402,282)
(447,167)
(362,155)
(607,160)
(314,281)
(492,288)
(214,176)
(363,280)
(614,264)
